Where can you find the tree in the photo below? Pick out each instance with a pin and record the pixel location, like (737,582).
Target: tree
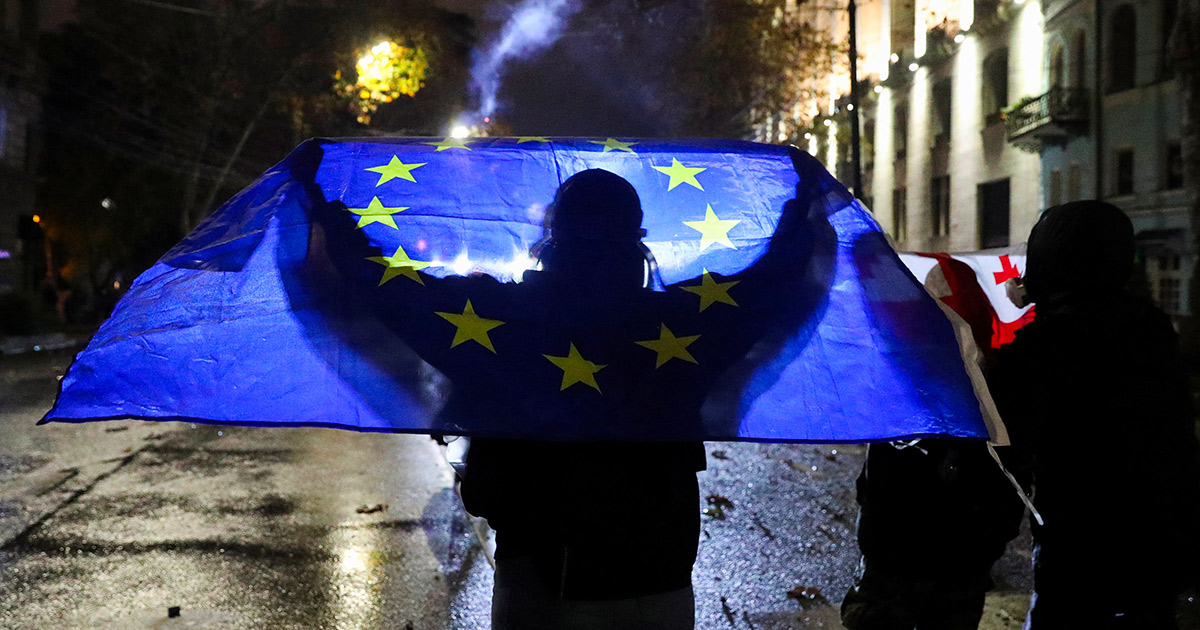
(167,109)
(754,60)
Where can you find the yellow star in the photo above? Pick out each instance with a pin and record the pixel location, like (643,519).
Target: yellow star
(521,139)
(376,213)
(395,169)
(576,369)
(612,144)
(713,229)
(668,346)
(711,291)
(399,264)
(471,327)
(681,174)
(450,143)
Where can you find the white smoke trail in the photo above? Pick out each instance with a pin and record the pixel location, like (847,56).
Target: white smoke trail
(533,26)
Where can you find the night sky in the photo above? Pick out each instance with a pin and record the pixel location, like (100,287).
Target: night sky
(607,75)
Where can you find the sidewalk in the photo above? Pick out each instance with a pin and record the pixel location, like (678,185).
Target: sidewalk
(68,337)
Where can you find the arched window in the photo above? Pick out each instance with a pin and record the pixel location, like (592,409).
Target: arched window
(1122,49)
(1169,15)
(1078,50)
(1057,68)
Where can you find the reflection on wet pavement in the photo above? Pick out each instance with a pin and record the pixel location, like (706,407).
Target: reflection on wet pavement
(263,528)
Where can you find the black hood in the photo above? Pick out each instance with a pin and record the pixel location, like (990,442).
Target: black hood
(1079,248)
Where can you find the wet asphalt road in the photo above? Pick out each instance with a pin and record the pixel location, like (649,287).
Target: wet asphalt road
(106,525)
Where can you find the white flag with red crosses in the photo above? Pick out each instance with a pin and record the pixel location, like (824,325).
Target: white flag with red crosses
(974,285)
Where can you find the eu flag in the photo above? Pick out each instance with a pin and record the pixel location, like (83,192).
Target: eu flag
(386,285)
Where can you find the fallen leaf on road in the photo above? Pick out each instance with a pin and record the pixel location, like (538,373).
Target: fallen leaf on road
(719,505)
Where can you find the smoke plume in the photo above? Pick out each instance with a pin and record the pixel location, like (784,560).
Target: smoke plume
(533,26)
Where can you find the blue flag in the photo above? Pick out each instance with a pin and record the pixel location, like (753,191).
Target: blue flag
(388,285)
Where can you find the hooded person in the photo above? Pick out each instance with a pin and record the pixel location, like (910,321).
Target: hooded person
(1094,392)
(582,387)
(589,534)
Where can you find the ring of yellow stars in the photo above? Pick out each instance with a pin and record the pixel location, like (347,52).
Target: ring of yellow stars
(399,264)
(711,291)
(681,174)
(393,169)
(713,229)
(612,144)
(375,212)
(471,327)
(576,369)
(450,143)
(521,139)
(668,346)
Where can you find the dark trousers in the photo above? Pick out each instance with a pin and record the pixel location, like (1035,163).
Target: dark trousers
(880,600)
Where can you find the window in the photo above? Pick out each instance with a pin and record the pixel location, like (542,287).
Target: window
(1167,288)
(1078,50)
(940,204)
(3,131)
(1074,183)
(900,214)
(993,214)
(1057,68)
(1122,49)
(1056,188)
(1124,172)
(900,131)
(1169,8)
(1173,169)
(995,85)
(941,109)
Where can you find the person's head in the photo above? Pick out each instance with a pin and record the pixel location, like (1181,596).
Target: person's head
(1079,248)
(595,229)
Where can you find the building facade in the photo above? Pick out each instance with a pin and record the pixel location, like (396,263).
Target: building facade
(22,257)
(944,176)
(1108,127)
(977,115)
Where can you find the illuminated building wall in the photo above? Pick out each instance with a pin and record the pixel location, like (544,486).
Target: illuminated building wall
(943,171)
(1138,166)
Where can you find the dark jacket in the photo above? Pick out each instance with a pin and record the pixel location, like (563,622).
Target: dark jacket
(937,509)
(1095,391)
(598,520)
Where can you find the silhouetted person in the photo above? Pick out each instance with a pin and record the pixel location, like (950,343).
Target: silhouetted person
(1095,391)
(934,516)
(589,535)
(601,531)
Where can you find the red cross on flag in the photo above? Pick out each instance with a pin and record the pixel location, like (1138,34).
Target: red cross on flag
(973,284)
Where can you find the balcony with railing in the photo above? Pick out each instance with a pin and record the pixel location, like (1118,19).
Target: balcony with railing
(1051,118)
